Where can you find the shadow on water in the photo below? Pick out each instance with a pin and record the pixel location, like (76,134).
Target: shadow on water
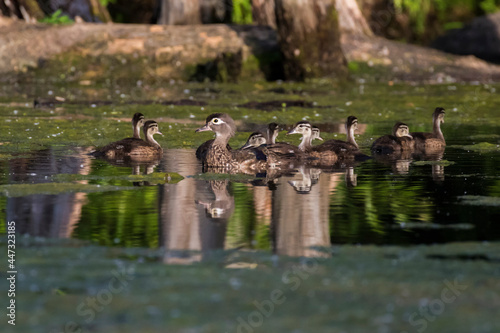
(386,200)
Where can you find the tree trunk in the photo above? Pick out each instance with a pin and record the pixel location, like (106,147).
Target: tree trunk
(263,12)
(309,38)
(216,11)
(351,20)
(173,12)
(28,10)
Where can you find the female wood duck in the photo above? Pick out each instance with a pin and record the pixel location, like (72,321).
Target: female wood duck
(399,140)
(434,139)
(134,146)
(219,158)
(255,139)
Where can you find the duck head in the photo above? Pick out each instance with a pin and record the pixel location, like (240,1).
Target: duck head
(316,133)
(302,127)
(150,129)
(137,123)
(221,124)
(438,115)
(400,130)
(256,139)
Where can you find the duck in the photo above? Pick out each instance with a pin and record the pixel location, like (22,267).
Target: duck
(434,139)
(316,134)
(134,146)
(280,150)
(332,150)
(323,154)
(272,133)
(399,140)
(137,123)
(219,158)
(349,149)
(256,139)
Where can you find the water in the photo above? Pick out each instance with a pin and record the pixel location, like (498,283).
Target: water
(456,198)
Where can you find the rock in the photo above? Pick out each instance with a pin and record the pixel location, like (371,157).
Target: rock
(479,38)
(173,52)
(89,52)
(406,62)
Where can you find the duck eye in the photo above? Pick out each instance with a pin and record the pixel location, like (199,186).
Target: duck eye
(215,121)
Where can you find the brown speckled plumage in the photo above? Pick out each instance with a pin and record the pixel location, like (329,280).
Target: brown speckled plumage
(134,146)
(431,140)
(399,140)
(219,158)
(331,151)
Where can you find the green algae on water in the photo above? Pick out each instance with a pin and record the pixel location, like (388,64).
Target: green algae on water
(479,200)
(155,177)
(483,147)
(20,190)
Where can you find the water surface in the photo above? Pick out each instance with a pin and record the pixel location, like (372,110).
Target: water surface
(455,197)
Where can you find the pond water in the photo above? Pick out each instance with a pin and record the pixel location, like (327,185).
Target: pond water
(52,188)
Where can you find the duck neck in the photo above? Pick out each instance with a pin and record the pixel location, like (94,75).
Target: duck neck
(437,129)
(350,136)
(306,143)
(221,140)
(272,136)
(151,140)
(137,131)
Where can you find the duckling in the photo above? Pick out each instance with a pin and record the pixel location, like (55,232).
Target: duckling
(322,153)
(134,146)
(279,150)
(272,133)
(434,139)
(316,134)
(256,139)
(137,123)
(347,150)
(399,140)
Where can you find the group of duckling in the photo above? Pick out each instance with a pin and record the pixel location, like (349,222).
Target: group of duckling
(134,146)
(261,151)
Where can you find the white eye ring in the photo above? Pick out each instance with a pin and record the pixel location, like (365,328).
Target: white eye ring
(217,121)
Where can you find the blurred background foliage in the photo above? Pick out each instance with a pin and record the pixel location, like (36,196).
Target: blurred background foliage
(423,20)
(414,21)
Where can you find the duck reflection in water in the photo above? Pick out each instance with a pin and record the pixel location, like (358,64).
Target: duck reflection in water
(221,208)
(310,176)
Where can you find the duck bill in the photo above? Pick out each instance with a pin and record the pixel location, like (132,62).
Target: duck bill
(203,129)
(159,133)
(320,138)
(408,136)
(246,146)
(292,131)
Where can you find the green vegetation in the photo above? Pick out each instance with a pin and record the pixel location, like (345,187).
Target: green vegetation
(57,18)
(242,12)
(449,14)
